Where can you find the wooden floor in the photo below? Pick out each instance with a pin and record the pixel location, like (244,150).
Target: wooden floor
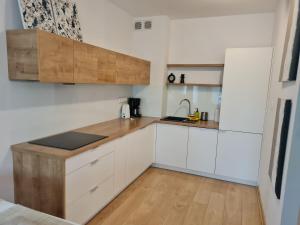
(161,197)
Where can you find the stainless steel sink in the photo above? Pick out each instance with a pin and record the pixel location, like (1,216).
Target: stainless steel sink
(177,119)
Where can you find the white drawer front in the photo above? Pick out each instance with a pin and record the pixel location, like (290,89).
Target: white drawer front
(90,204)
(85,158)
(84,179)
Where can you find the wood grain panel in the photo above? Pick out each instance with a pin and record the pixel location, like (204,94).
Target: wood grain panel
(131,70)
(22,55)
(39,182)
(171,198)
(36,55)
(113,129)
(56,58)
(199,124)
(194,84)
(195,65)
(93,64)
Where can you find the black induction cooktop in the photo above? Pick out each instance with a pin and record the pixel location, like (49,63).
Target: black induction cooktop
(68,141)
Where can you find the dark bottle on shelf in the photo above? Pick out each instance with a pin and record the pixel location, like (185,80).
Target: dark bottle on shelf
(182,78)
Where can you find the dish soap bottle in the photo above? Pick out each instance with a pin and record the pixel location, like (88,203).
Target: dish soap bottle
(197,114)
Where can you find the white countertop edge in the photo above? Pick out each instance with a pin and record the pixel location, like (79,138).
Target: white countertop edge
(4,205)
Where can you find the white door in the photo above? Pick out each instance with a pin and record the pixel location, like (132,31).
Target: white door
(238,155)
(202,150)
(245,89)
(171,145)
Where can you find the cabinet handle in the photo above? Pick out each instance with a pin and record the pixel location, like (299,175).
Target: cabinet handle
(94,162)
(94,189)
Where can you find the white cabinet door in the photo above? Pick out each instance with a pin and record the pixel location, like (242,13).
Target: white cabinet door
(171,145)
(128,144)
(82,180)
(238,155)
(82,210)
(147,146)
(120,165)
(245,89)
(202,150)
(134,154)
(134,162)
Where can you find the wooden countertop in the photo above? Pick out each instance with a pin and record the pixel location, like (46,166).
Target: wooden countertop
(198,124)
(113,129)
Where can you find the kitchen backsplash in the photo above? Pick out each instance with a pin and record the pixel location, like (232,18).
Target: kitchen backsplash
(206,99)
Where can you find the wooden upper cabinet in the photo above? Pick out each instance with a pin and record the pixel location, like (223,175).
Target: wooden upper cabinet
(93,64)
(40,56)
(37,55)
(22,55)
(56,60)
(131,70)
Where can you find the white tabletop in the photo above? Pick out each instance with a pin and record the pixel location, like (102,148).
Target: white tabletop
(4,205)
(29,215)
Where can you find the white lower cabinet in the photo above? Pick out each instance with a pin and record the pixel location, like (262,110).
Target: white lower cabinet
(120,164)
(202,150)
(95,177)
(147,144)
(132,159)
(88,177)
(88,205)
(171,145)
(140,152)
(238,155)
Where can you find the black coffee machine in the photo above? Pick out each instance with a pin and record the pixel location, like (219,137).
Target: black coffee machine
(134,105)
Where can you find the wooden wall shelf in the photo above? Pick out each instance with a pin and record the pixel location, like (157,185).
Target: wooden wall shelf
(199,85)
(195,65)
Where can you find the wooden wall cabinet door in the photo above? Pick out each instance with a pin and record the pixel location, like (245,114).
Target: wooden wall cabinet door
(56,58)
(22,55)
(36,55)
(131,70)
(40,56)
(94,64)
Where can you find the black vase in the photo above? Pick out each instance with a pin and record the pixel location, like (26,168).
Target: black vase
(182,77)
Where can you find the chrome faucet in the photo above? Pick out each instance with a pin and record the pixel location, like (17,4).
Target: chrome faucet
(188,101)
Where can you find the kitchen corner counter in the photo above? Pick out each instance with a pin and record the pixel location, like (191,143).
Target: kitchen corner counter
(199,124)
(113,129)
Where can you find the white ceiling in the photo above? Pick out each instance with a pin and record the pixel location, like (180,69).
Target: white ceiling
(194,8)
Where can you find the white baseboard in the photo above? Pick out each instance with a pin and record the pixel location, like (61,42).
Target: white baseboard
(229,179)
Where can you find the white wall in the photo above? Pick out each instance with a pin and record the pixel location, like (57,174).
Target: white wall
(271,206)
(153,45)
(204,40)
(32,110)
(201,40)
(106,25)
(291,207)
